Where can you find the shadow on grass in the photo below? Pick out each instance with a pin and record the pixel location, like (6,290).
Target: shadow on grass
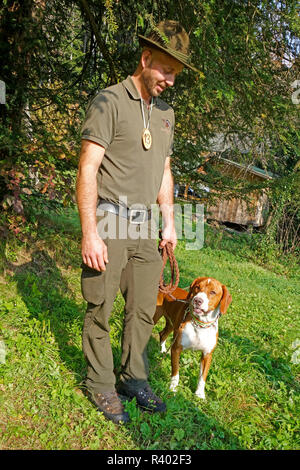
(48,298)
(184,426)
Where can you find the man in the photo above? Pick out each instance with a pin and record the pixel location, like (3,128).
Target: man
(127,141)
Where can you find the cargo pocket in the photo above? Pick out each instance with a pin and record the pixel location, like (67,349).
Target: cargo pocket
(92,285)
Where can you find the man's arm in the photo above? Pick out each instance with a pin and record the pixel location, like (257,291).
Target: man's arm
(93,249)
(165,200)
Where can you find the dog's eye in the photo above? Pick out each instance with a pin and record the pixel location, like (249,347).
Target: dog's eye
(213,292)
(197,289)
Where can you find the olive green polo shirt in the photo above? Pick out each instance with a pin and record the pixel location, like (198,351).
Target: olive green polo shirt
(114,120)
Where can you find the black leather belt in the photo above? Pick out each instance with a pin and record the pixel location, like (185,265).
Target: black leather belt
(135,216)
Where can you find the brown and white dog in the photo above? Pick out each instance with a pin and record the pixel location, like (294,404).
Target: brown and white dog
(193,317)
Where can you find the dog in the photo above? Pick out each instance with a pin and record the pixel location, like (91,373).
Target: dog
(193,317)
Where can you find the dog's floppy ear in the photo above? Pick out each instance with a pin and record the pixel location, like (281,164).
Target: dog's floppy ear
(225,301)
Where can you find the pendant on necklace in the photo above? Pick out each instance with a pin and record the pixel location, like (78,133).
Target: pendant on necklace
(146,139)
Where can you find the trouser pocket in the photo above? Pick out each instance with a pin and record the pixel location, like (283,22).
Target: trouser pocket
(92,284)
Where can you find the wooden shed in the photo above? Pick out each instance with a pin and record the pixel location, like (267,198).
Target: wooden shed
(237,211)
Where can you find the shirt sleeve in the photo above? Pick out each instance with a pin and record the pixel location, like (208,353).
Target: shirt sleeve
(100,121)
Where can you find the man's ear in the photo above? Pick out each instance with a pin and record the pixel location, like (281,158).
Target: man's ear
(146,58)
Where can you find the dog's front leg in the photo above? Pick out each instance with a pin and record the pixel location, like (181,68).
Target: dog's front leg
(175,355)
(205,364)
(164,334)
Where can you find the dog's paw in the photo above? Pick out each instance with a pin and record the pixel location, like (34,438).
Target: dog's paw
(163,348)
(174,383)
(200,394)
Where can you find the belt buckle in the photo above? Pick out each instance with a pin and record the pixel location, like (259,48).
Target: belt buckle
(133,213)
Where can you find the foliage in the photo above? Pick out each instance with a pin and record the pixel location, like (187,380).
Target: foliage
(281,232)
(59,53)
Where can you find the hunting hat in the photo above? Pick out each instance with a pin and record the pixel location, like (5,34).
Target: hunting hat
(170,37)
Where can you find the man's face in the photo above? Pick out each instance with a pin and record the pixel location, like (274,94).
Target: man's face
(159,72)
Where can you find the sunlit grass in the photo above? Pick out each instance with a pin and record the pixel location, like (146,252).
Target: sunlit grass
(252,388)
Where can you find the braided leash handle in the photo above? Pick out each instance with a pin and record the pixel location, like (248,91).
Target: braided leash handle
(168,254)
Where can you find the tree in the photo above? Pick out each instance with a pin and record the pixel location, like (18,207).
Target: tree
(59,53)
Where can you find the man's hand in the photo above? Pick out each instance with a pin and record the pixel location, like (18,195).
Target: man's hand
(168,236)
(94,252)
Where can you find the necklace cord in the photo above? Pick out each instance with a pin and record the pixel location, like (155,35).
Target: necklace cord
(143,113)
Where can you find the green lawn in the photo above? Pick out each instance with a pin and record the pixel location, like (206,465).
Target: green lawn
(252,391)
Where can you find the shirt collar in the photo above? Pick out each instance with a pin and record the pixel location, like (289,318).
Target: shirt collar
(131,88)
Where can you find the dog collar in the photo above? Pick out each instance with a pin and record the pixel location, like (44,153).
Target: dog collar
(204,324)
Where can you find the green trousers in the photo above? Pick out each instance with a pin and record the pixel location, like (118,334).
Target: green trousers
(134,266)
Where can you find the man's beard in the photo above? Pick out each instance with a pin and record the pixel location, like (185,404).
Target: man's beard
(150,85)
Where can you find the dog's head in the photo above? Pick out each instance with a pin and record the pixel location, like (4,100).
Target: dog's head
(206,294)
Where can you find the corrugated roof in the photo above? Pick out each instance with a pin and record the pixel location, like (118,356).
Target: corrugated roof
(252,169)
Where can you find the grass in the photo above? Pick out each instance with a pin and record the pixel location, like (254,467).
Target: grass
(252,392)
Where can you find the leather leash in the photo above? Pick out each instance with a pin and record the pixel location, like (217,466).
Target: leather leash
(168,254)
